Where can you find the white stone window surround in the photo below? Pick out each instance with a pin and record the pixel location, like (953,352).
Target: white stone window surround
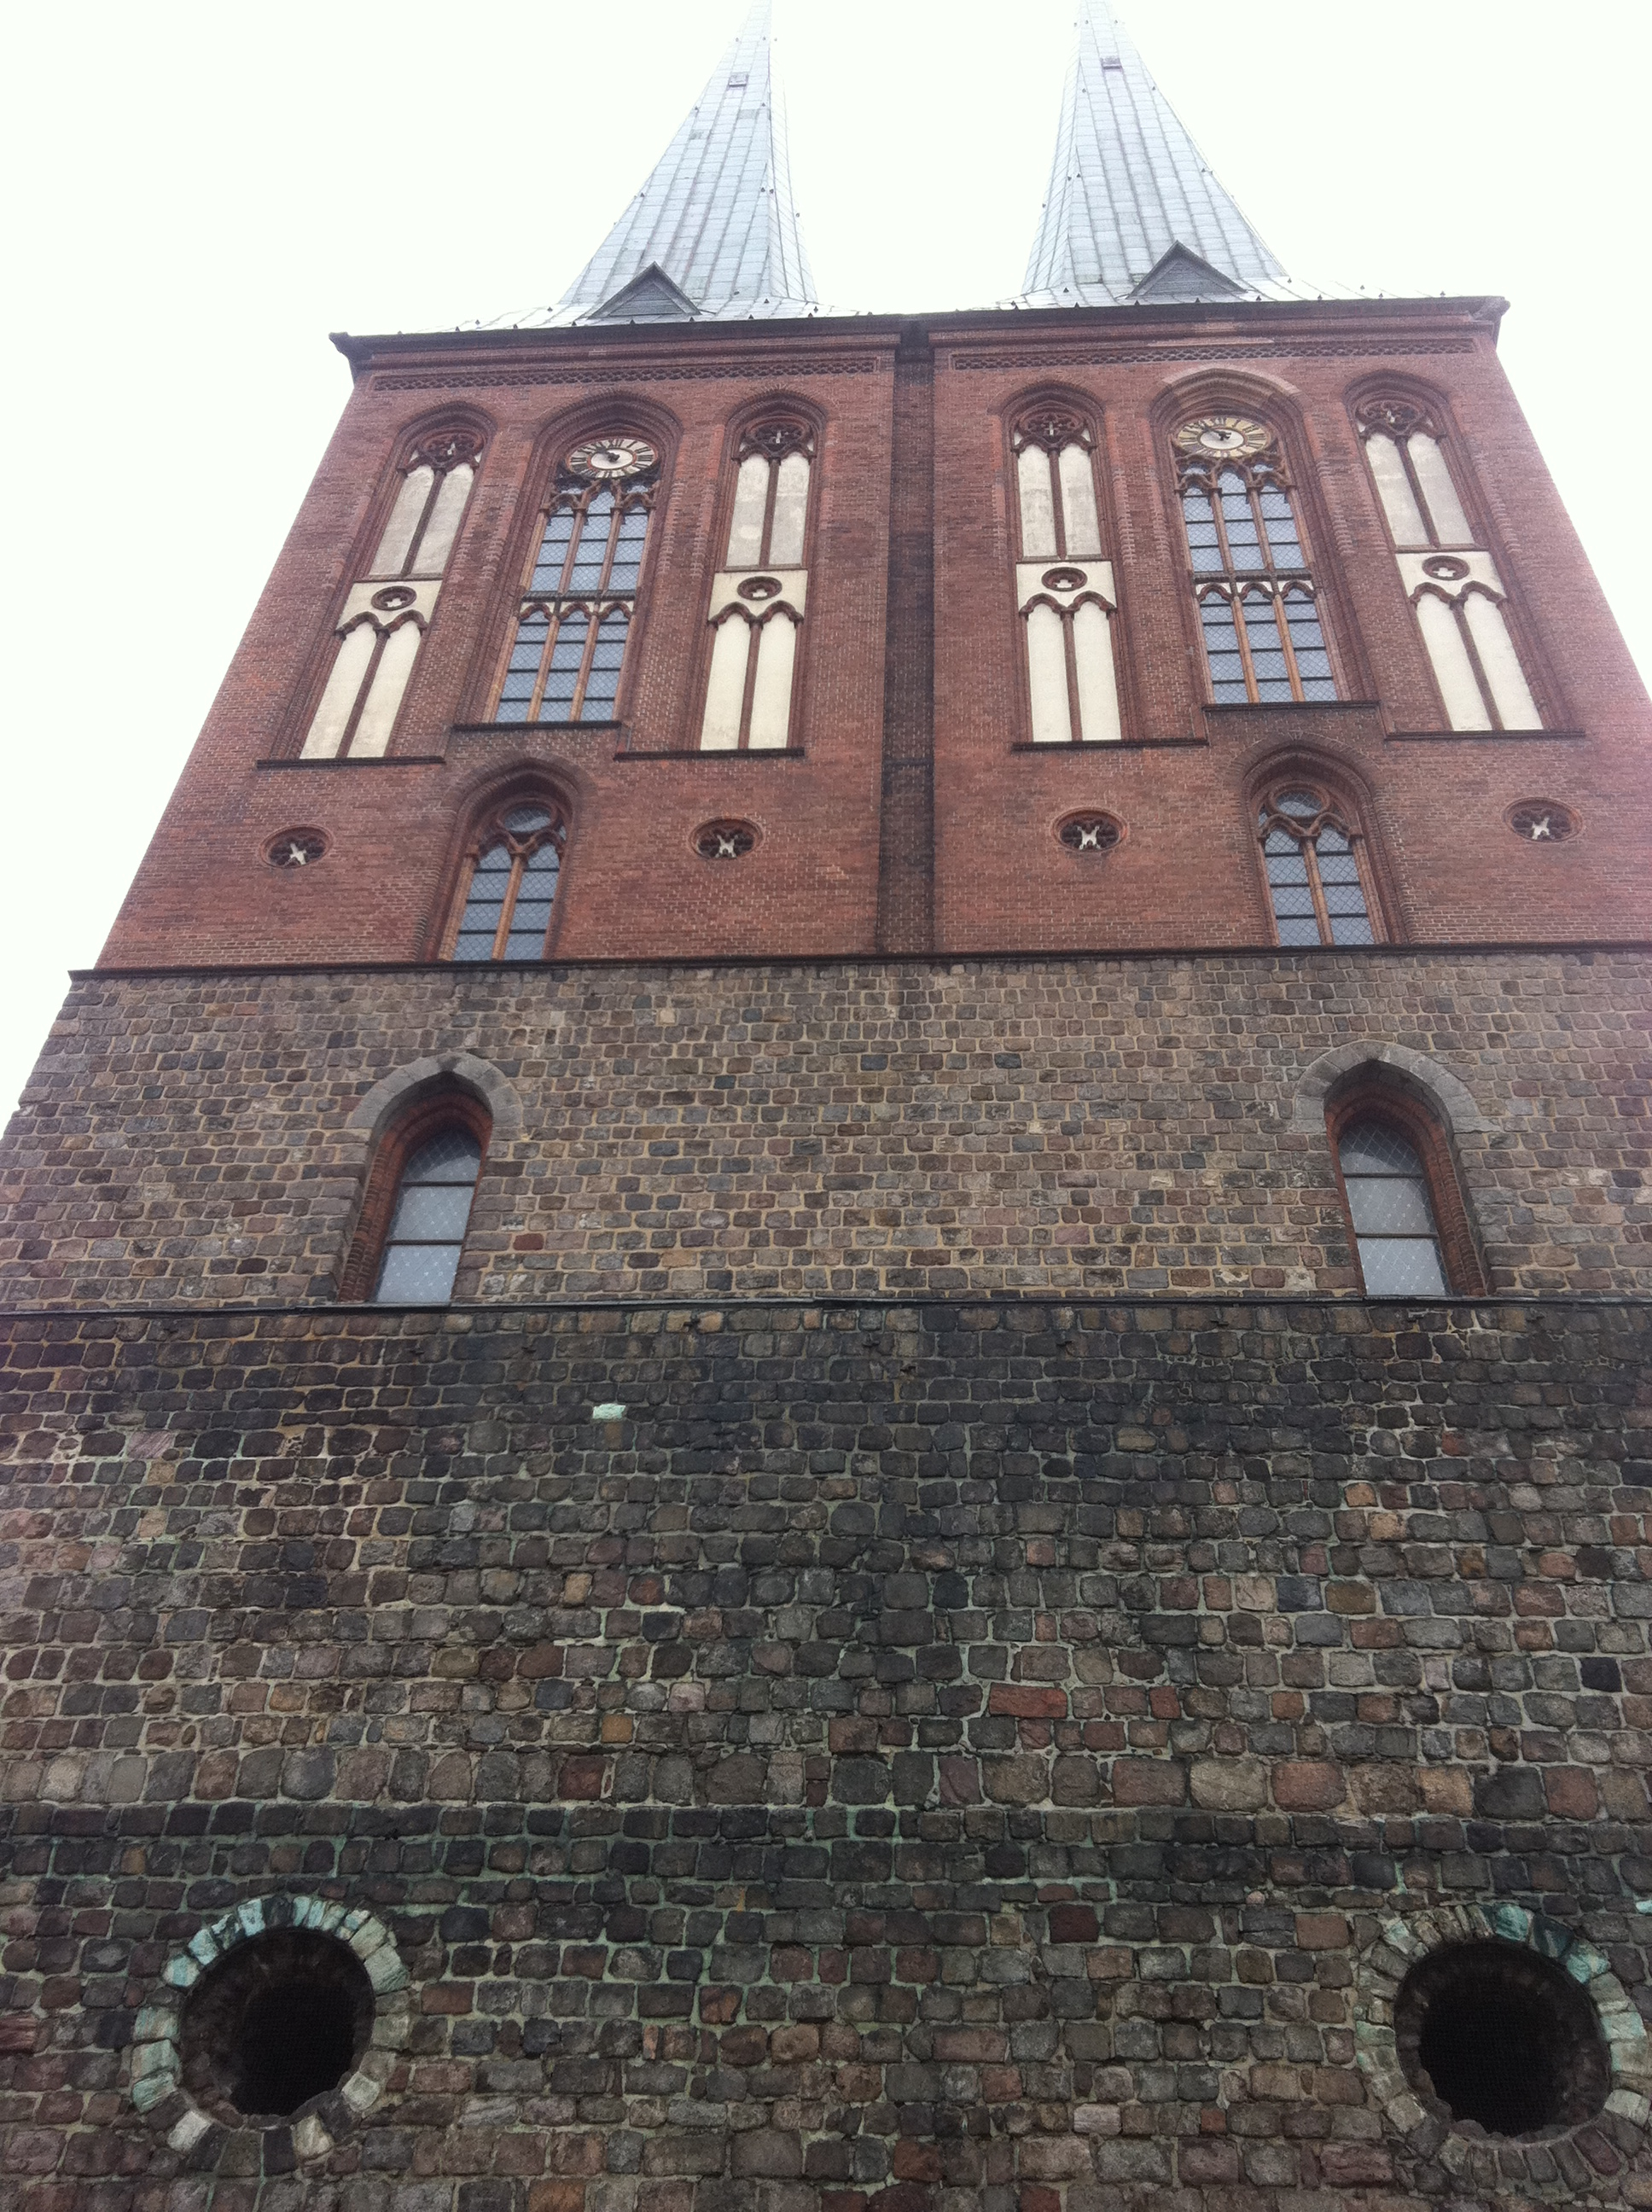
(1401,1943)
(1065,593)
(1451,580)
(387,611)
(157,2062)
(759,598)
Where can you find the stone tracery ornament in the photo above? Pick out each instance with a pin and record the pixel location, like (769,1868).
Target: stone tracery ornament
(1224,437)
(1394,418)
(296,848)
(610,460)
(1090,833)
(1542,822)
(455,445)
(724,841)
(1052,427)
(778,435)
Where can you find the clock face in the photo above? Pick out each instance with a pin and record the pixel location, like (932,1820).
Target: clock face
(1223,435)
(611,457)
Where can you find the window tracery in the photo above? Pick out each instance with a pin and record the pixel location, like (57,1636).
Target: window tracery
(1064,591)
(1316,872)
(510,890)
(1451,581)
(759,596)
(579,599)
(389,609)
(1258,610)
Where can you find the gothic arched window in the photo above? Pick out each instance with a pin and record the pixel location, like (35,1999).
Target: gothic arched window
(1451,581)
(1405,1205)
(511,884)
(389,609)
(1258,609)
(425,1235)
(1316,879)
(411,1236)
(758,596)
(1065,592)
(579,598)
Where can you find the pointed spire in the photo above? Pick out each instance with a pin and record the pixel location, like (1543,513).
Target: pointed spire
(1134,212)
(714,232)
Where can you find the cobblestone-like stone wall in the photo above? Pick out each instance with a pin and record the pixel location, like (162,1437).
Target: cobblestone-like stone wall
(1143,1124)
(924,1758)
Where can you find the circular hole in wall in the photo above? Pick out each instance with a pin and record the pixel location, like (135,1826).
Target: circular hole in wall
(280,2020)
(1503,2037)
(296,848)
(1091,832)
(1542,821)
(723,840)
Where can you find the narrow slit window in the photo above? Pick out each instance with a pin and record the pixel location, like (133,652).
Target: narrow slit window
(569,651)
(425,1237)
(1391,1211)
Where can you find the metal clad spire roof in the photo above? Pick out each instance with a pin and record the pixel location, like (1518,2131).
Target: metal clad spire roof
(1129,188)
(715,220)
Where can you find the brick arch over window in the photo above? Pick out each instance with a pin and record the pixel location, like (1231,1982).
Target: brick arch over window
(502,891)
(418,1203)
(397,580)
(1396,1173)
(1066,592)
(758,606)
(1324,878)
(579,570)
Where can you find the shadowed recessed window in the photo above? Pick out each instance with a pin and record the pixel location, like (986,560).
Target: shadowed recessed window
(1391,1210)
(425,1235)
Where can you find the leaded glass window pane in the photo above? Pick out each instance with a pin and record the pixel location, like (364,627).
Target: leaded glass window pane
(602,684)
(553,549)
(567,658)
(1221,651)
(426,1228)
(1244,526)
(531,915)
(628,549)
(489,888)
(1308,643)
(1269,664)
(1281,524)
(522,673)
(1392,1213)
(1244,540)
(591,554)
(1203,544)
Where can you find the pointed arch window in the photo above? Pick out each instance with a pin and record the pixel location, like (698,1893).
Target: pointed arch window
(1257,607)
(1406,1216)
(1451,581)
(759,596)
(510,884)
(388,609)
(579,597)
(1316,869)
(1064,591)
(416,1212)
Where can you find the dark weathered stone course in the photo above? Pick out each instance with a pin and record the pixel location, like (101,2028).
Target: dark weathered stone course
(930,1755)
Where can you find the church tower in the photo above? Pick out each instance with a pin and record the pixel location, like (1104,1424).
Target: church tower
(827,1351)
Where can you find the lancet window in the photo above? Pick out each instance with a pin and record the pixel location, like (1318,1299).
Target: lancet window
(510,884)
(1316,869)
(1451,581)
(759,596)
(579,598)
(410,1238)
(389,609)
(1258,609)
(1064,591)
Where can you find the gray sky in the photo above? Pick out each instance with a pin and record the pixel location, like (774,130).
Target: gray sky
(197,194)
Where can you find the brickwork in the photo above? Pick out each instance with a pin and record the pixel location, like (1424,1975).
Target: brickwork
(923,1757)
(912,648)
(863,1127)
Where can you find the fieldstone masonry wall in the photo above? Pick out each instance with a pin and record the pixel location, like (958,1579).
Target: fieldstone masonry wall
(925,1758)
(867,1128)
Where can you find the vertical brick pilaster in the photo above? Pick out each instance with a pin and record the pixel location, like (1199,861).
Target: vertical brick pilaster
(905,875)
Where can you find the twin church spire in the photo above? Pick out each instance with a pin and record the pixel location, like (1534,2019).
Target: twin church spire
(1134,213)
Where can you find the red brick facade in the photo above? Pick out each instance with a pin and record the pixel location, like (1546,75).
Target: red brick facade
(905,815)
